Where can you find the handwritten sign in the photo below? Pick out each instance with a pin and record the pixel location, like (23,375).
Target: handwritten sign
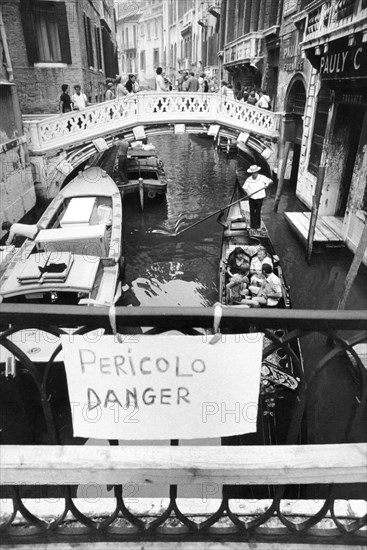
(163,387)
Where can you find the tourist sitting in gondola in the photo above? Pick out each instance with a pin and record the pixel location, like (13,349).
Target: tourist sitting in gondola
(236,260)
(261,257)
(237,289)
(270,291)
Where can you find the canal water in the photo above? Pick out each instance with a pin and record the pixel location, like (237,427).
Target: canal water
(183,270)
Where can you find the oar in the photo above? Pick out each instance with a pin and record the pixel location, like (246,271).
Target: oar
(162,232)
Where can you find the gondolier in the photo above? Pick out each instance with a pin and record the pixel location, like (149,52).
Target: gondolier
(256,182)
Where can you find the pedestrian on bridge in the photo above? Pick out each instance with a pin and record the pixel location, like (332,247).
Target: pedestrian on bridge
(131,85)
(161,82)
(255,186)
(65,99)
(192,83)
(79,99)
(110,94)
(121,90)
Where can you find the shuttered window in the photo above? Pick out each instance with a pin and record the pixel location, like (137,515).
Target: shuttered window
(88,40)
(46,33)
(97,37)
(142,61)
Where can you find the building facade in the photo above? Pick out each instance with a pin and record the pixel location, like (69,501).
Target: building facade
(250,42)
(127,36)
(335,136)
(17,192)
(57,42)
(176,35)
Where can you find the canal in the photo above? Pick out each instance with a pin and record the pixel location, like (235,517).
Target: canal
(183,270)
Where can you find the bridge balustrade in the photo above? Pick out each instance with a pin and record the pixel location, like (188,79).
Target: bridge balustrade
(147,109)
(297,494)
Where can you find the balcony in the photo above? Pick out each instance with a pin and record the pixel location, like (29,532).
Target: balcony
(214,9)
(187,20)
(332,20)
(244,50)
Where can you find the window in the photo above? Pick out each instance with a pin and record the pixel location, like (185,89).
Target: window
(148,30)
(156,57)
(97,37)
(46,34)
(317,142)
(88,40)
(142,61)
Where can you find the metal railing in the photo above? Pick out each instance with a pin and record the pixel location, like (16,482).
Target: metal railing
(148,108)
(297,493)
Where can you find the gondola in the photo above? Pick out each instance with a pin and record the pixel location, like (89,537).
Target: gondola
(282,370)
(146,175)
(75,259)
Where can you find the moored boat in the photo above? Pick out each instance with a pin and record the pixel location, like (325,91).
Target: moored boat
(85,217)
(282,367)
(145,171)
(75,259)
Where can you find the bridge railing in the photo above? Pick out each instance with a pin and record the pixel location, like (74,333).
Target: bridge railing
(297,494)
(148,108)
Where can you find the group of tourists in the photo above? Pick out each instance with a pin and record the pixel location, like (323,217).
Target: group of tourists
(77,101)
(115,90)
(250,95)
(252,283)
(186,82)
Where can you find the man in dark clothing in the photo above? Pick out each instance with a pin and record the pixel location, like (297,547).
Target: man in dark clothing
(65,100)
(122,148)
(192,83)
(252,98)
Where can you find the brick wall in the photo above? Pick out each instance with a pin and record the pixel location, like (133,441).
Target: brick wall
(39,88)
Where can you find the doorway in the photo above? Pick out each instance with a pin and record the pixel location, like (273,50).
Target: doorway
(293,127)
(346,115)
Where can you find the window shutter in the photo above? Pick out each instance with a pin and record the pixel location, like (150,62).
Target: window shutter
(27,17)
(62,23)
(98,47)
(88,40)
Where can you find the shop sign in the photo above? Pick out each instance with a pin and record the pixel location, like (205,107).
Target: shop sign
(344,63)
(351,97)
(163,387)
(292,55)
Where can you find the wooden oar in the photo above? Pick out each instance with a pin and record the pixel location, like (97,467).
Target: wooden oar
(209,215)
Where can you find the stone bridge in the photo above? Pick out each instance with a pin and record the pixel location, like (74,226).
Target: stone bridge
(58,144)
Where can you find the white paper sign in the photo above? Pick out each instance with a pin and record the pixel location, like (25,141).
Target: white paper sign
(163,387)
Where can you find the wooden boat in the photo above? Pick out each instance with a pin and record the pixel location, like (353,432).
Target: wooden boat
(75,258)
(282,370)
(226,144)
(145,172)
(85,217)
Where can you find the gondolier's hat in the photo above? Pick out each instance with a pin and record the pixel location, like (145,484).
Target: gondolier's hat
(253,168)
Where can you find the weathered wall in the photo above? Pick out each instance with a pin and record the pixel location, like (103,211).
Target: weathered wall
(17,192)
(39,86)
